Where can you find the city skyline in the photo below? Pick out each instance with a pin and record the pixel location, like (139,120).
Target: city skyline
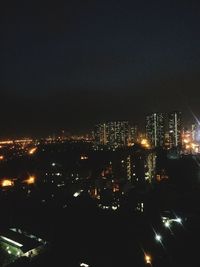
(141,127)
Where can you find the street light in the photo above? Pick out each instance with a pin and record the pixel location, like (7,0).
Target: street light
(158,237)
(84,264)
(148,259)
(167,223)
(178,220)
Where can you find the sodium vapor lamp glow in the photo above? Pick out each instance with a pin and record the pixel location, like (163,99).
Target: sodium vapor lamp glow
(7,182)
(30,180)
(148,259)
(32,150)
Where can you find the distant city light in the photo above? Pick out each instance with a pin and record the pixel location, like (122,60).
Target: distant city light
(167,223)
(30,180)
(7,182)
(148,259)
(144,143)
(6,142)
(84,264)
(178,220)
(84,157)
(186,141)
(158,237)
(1,157)
(76,194)
(32,151)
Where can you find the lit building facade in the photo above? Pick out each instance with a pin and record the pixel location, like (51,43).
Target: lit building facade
(133,134)
(101,134)
(16,243)
(155,129)
(191,140)
(175,129)
(112,134)
(195,132)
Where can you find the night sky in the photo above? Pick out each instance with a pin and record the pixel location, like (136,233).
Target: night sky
(70,64)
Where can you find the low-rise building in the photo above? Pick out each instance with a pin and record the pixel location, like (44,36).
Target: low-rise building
(17,243)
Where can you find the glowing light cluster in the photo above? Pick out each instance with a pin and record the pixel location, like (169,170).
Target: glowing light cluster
(168,222)
(32,151)
(30,180)
(148,259)
(84,157)
(190,145)
(7,182)
(144,143)
(84,264)
(178,220)
(76,194)
(158,238)
(6,142)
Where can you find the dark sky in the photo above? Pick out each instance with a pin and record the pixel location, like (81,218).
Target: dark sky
(69,64)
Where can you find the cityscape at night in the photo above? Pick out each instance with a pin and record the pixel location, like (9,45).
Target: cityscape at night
(114,184)
(99,133)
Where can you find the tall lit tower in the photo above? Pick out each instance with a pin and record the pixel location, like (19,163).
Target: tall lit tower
(101,134)
(175,128)
(118,133)
(155,129)
(133,133)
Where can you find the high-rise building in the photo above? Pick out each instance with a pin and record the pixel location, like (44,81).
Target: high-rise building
(155,129)
(101,134)
(175,128)
(133,134)
(195,132)
(113,134)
